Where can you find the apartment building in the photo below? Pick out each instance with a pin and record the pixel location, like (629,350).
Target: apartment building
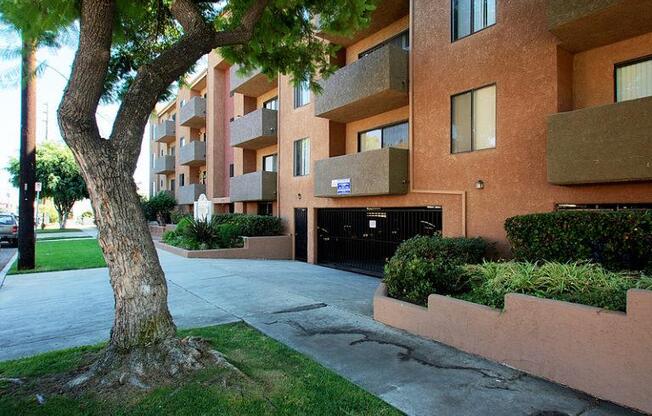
(445,116)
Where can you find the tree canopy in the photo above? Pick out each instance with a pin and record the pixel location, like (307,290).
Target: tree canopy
(59,175)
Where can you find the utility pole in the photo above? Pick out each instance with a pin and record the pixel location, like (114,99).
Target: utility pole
(26,235)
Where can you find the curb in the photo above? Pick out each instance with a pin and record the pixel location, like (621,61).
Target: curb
(5,270)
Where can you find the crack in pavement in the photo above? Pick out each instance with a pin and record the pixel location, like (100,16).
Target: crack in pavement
(408,355)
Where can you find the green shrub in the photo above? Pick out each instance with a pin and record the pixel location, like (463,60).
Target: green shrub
(177,216)
(203,233)
(229,236)
(425,265)
(158,207)
(618,239)
(584,283)
(251,225)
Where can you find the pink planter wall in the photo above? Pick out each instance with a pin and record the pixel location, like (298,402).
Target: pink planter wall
(277,247)
(606,354)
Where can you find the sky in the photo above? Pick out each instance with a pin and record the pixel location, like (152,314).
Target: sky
(50,85)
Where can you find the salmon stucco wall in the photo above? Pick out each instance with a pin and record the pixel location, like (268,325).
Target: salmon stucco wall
(600,352)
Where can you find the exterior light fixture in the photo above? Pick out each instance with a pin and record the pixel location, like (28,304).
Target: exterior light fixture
(479,184)
(299,196)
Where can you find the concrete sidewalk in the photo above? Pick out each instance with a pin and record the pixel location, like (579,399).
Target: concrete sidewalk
(323,313)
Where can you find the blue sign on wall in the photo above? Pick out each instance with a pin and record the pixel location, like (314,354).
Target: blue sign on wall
(344,187)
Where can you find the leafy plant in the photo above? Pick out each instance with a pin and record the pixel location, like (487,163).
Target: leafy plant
(425,265)
(617,240)
(159,207)
(578,282)
(203,233)
(251,225)
(176,216)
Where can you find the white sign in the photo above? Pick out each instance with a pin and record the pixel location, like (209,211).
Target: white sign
(37,186)
(372,223)
(337,182)
(203,208)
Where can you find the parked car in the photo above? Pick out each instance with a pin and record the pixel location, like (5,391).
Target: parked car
(9,229)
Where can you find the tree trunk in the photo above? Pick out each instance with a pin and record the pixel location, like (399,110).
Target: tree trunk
(26,236)
(140,291)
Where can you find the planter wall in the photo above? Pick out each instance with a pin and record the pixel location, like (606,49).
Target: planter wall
(157,230)
(606,354)
(272,248)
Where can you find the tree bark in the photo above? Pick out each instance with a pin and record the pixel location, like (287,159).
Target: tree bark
(26,236)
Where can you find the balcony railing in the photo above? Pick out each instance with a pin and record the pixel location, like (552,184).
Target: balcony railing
(193,113)
(164,164)
(165,131)
(188,194)
(193,153)
(255,130)
(255,186)
(587,24)
(610,143)
(374,172)
(253,84)
(372,85)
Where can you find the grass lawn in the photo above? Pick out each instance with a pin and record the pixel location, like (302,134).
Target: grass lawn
(65,255)
(279,381)
(57,230)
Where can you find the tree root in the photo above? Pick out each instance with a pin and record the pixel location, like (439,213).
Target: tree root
(148,367)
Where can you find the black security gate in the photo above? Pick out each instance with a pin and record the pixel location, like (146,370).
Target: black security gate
(301,234)
(363,239)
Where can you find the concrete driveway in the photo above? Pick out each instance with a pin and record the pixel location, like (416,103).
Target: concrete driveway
(323,313)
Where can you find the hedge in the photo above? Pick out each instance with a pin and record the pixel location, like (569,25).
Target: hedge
(619,240)
(425,265)
(251,225)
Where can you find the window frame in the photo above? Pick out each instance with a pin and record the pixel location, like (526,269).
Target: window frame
(231,170)
(271,100)
(381,128)
(182,179)
(272,155)
(622,65)
(296,95)
(472,119)
(472,22)
(387,42)
(305,172)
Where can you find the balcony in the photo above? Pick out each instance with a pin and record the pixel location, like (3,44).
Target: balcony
(255,186)
(193,113)
(253,84)
(375,172)
(255,130)
(188,194)
(387,12)
(193,153)
(611,143)
(587,24)
(371,85)
(163,165)
(165,131)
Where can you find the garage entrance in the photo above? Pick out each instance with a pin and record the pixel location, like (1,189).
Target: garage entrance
(363,239)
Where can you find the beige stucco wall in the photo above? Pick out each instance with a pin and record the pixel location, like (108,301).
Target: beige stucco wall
(603,353)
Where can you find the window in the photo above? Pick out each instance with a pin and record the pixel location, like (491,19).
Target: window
(473,120)
(202,177)
(172,185)
(470,16)
(634,80)
(401,40)
(269,163)
(265,208)
(174,117)
(182,142)
(182,179)
(301,94)
(271,104)
(171,151)
(161,187)
(395,135)
(302,157)
(231,170)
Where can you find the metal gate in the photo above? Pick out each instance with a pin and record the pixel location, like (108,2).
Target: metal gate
(363,239)
(301,234)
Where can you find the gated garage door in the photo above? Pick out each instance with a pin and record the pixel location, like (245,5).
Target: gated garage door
(363,239)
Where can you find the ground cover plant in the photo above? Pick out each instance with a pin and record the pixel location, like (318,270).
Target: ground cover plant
(268,379)
(580,282)
(65,254)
